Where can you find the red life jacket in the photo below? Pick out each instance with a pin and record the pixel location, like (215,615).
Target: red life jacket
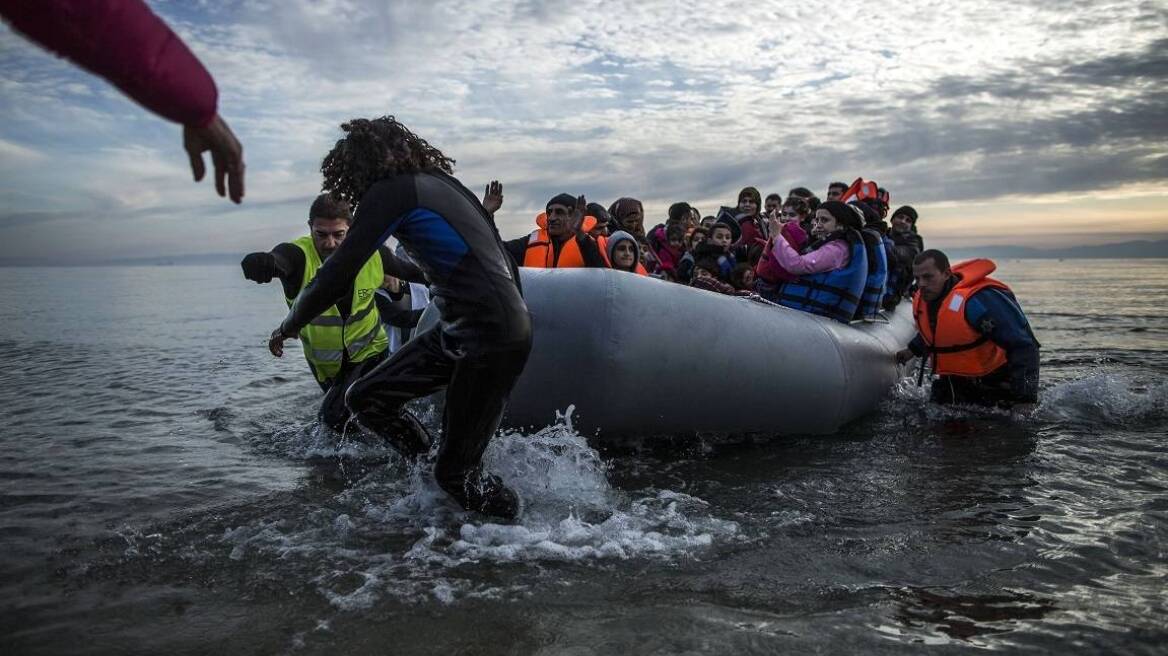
(958,348)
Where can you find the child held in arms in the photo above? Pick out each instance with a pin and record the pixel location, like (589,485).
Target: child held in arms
(786,225)
(706,272)
(742,278)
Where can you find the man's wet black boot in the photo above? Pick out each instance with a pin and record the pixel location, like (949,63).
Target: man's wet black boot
(484,493)
(402,431)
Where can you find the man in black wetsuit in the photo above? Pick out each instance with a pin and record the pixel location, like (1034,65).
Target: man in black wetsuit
(401,186)
(340,345)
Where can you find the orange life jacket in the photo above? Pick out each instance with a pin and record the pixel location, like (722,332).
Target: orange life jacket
(958,348)
(541,254)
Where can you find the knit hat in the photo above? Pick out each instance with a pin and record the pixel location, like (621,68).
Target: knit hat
(567,200)
(908,211)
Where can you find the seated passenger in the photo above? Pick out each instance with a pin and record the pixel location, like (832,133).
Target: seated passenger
(722,235)
(630,214)
(706,276)
(785,225)
(751,230)
(906,245)
(648,259)
(670,253)
(696,237)
(832,269)
(878,251)
(742,278)
(558,242)
(625,254)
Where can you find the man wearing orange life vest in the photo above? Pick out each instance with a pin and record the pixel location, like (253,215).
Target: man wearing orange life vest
(558,242)
(980,342)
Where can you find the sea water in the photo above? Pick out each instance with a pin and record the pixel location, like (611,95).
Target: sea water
(164,488)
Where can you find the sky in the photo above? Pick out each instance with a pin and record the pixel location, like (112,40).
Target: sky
(1040,124)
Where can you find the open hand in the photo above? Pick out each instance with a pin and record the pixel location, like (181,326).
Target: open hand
(226,156)
(493,197)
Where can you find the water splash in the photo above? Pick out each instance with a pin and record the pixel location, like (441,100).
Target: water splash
(1106,399)
(396,533)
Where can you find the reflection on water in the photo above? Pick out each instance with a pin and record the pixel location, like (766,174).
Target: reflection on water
(165,489)
(924,613)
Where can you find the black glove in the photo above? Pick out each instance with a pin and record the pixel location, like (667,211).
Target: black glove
(260,267)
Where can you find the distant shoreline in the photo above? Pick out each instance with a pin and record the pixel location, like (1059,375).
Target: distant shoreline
(1142,249)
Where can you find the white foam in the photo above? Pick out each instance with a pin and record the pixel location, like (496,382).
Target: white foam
(570,513)
(1109,398)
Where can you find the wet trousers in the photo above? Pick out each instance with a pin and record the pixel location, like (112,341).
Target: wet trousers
(477,388)
(993,389)
(333,412)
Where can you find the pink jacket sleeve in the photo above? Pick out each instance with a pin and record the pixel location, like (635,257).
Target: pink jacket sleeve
(832,255)
(127,44)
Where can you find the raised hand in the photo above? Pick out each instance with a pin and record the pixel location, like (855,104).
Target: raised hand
(493,197)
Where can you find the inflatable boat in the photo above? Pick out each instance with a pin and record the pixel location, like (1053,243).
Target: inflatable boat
(637,356)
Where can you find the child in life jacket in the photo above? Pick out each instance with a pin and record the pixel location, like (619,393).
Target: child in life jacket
(788,226)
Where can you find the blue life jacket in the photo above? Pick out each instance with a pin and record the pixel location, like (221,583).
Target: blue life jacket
(877,279)
(835,293)
(898,278)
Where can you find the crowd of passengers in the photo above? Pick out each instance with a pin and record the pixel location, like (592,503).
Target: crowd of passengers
(842,257)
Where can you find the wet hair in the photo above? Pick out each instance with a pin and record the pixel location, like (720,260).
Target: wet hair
(674,232)
(842,186)
(774,197)
(939,259)
(375,149)
(327,206)
(801,192)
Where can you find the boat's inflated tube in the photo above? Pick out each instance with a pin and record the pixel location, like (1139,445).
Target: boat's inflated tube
(638,356)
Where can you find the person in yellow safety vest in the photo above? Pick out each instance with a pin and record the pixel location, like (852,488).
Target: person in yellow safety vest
(347,339)
(558,242)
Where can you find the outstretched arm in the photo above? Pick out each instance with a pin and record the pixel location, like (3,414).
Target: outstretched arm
(131,47)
